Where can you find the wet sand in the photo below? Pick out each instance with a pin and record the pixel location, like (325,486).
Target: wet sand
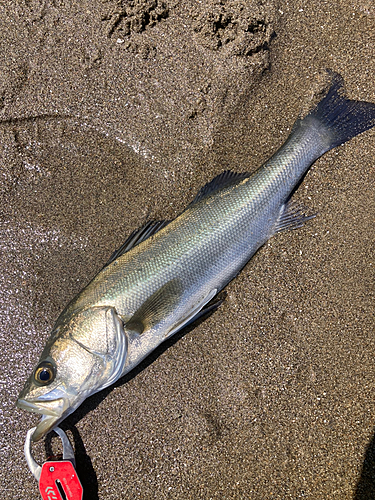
(115,112)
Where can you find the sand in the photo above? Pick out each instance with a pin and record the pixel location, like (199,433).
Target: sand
(114,112)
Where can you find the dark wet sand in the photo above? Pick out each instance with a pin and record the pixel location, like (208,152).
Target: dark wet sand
(112,114)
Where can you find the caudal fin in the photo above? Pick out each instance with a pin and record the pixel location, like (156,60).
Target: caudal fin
(343,117)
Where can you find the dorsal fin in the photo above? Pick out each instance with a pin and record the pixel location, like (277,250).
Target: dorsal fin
(136,237)
(223,180)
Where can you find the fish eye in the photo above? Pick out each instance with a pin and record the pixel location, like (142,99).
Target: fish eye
(44,373)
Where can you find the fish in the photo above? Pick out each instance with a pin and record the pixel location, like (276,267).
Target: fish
(169,273)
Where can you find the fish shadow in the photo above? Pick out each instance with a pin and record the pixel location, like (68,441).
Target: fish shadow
(84,468)
(365,488)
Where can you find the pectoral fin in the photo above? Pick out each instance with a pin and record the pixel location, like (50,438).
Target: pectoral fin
(156,307)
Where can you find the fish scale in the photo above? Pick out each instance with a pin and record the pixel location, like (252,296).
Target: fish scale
(165,275)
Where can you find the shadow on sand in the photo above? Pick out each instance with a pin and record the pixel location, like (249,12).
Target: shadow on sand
(365,489)
(84,468)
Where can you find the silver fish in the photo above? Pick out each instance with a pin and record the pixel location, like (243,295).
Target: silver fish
(166,274)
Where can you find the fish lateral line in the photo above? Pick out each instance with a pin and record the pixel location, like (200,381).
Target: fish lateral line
(172,277)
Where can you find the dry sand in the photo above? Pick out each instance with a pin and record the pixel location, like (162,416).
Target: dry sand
(115,111)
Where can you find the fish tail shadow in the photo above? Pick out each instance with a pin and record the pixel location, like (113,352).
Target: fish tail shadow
(343,118)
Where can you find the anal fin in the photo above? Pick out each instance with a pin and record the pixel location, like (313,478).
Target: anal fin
(292,216)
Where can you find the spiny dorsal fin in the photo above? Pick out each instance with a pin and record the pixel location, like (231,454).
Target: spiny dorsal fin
(137,236)
(292,216)
(156,307)
(223,180)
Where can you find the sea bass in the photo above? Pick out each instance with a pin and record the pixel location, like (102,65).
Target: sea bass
(166,274)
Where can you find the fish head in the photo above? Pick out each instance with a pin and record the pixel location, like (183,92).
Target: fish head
(85,353)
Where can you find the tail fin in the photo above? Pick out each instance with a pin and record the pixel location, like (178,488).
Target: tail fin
(343,117)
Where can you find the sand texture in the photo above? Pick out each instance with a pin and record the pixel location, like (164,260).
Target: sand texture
(113,112)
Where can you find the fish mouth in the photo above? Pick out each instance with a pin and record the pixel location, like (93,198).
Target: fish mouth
(46,424)
(52,413)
